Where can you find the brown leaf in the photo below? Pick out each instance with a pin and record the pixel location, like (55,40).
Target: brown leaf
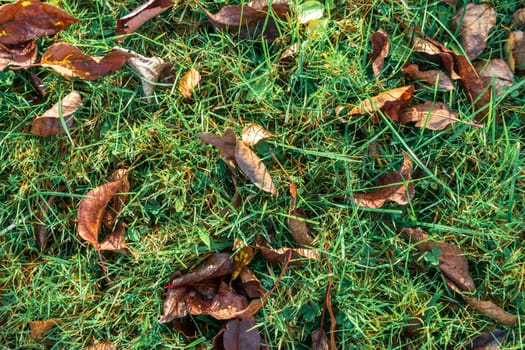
(116,242)
(190,80)
(429,115)
(319,340)
(101,345)
(430,76)
(249,23)
(252,134)
(278,256)
(50,123)
(487,340)
(518,18)
(38,328)
(70,62)
(474,22)
(515,51)
(225,144)
(218,265)
(452,261)
(299,228)
(380,49)
(436,52)
(25,20)
(132,21)
(254,168)
(250,284)
(496,72)
(393,187)
(239,334)
(390,102)
(19,55)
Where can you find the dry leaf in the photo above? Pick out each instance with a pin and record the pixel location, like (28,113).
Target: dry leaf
(518,18)
(435,52)
(50,122)
(380,49)
(190,80)
(218,265)
(243,256)
(252,134)
(319,340)
(132,21)
(25,20)
(19,55)
(390,102)
(394,186)
(247,22)
(497,72)
(299,228)
(474,23)
(254,168)
(515,51)
(101,345)
(225,144)
(486,341)
(429,115)
(239,334)
(430,76)
(452,261)
(38,328)
(278,256)
(70,62)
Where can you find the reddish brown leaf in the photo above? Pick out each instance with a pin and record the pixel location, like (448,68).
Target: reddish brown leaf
(190,80)
(431,77)
(250,284)
(240,334)
(132,21)
(299,228)
(393,187)
(38,328)
(474,23)
(70,62)
(19,55)
(252,134)
(186,326)
(452,261)
(249,23)
(436,52)
(380,49)
(496,72)
(50,123)
(218,265)
(429,115)
(254,168)
(319,340)
(487,340)
(390,102)
(278,256)
(25,20)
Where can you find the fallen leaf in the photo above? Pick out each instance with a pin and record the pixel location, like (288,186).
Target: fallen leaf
(19,55)
(225,144)
(132,21)
(299,228)
(240,334)
(38,328)
(518,18)
(190,80)
(252,134)
(496,72)
(390,102)
(101,345)
(50,123)
(249,23)
(487,340)
(70,62)
(474,23)
(380,49)
(432,77)
(436,52)
(254,168)
(515,51)
(452,261)
(218,265)
(309,10)
(278,256)
(186,326)
(26,20)
(429,115)
(319,340)
(250,284)
(243,256)
(393,187)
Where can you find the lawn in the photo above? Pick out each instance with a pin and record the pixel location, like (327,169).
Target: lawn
(468,182)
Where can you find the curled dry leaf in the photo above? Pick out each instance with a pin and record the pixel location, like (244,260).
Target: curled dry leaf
(390,102)
(25,20)
(319,340)
(474,23)
(190,80)
(19,55)
(380,49)
(393,187)
(252,134)
(248,22)
(38,328)
(452,261)
(70,62)
(50,123)
(238,334)
(299,228)
(429,115)
(487,308)
(432,77)
(515,51)
(218,265)
(487,340)
(496,72)
(278,256)
(132,21)
(435,52)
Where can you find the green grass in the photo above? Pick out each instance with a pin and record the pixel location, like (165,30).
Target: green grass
(469,184)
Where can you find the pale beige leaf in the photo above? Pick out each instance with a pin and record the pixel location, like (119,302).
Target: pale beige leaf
(254,168)
(101,345)
(374,104)
(429,115)
(38,328)
(254,133)
(190,80)
(150,69)
(49,123)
